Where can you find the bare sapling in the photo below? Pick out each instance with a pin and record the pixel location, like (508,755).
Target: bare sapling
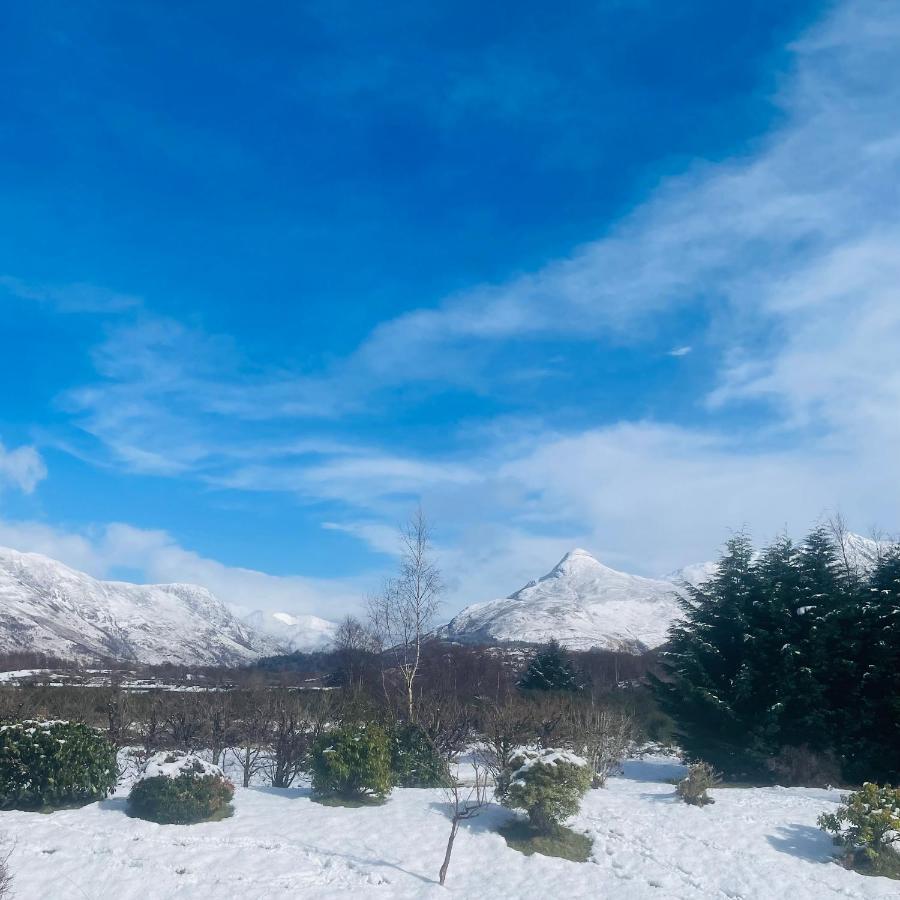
(466,801)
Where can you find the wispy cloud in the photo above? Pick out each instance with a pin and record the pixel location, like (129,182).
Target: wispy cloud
(75,297)
(21,468)
(680,351)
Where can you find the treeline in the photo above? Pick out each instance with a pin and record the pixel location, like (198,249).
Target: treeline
(266,729)
(787,663)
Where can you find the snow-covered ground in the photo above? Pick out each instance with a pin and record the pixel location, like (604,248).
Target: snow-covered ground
(753,843)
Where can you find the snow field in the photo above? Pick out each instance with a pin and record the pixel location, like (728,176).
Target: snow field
(753,844)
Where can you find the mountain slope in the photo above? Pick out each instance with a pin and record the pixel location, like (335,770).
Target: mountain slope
(293,633)
(46,607)
(582,603)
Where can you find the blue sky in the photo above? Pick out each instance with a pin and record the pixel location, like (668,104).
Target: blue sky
(619,274)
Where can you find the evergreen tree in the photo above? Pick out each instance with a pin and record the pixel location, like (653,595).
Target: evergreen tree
(761,691)
(551,669)
(794,649)
(875,713)
(709,693)
(817,672)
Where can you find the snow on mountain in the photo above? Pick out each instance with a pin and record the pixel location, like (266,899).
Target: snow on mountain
(863,553)
(46,607)
(294,633)
(582,603)
(694,574)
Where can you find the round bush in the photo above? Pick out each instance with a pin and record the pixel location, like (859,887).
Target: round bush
(353,761)
(547,784)
(867,825)
(54,763)
(177,788)
(414,761)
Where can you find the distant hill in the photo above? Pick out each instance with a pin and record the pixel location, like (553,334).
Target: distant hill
(302,634)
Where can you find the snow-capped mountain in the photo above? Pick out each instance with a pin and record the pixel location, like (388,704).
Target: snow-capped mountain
(582,603)
(46,607)
(293,633)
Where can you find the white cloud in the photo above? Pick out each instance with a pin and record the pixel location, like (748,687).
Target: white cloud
(680,351)
(21,468)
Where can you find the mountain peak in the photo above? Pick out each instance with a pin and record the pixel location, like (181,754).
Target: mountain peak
(578,555)
(580,602)
(579,561)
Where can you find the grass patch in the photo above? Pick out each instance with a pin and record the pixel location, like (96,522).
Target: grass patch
(886,864)
(561,842)
(348,802)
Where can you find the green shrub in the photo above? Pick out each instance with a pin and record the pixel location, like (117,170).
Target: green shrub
(177,788)
(867,824)
(547,784)
(693,789)
(352,761)
(54,763)
(414,761)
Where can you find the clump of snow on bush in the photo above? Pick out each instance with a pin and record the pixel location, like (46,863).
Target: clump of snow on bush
(532,758)
(175,763)
(179,788)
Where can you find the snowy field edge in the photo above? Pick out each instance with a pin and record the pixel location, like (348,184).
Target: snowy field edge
(752,844)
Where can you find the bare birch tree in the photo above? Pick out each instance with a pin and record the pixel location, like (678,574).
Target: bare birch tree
(403,614)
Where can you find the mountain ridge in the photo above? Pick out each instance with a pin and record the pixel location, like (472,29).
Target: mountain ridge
(50,608)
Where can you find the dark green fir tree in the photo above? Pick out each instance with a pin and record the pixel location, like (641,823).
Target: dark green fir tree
(551,669)
(874,724)
(709,672)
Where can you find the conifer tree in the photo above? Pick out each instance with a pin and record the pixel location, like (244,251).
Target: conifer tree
(707,663)
(873,725)
(814,639)
(551,670)
(794,649)
(761,686)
